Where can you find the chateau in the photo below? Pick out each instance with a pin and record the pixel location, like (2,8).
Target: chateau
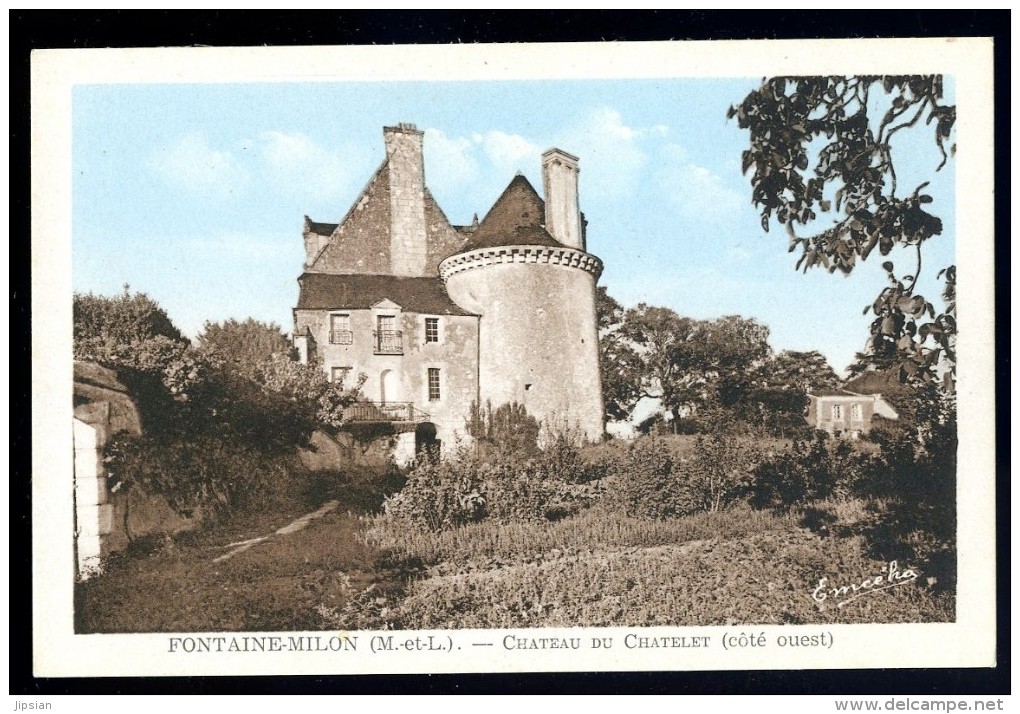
(439,316)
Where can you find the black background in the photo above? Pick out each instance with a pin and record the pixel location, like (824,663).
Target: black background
(55,29)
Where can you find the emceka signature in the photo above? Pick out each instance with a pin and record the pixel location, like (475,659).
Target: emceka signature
(843,594)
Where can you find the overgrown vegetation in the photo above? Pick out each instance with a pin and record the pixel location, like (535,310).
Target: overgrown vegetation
(515,537)
(221,422)
(525,526)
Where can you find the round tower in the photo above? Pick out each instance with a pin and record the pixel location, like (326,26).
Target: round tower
(526,272)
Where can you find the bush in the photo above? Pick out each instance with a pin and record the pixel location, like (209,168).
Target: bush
(646,480)
(721,471)
(824,468)
(511,488)
(671,478)
(439,496)
(207,475)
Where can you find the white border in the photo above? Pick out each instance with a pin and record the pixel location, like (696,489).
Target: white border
(969,642)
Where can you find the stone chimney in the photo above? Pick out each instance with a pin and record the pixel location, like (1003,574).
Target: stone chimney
(407,199)
(562,212)
(314,242)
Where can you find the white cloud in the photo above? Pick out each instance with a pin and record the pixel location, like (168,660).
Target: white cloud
(297,165)
(449,160)
(285,152)
(289,163)
(697,193)
(193,164)
(243,247)
(613,154)
(508,153)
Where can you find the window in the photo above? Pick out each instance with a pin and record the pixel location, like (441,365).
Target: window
(855,412)
(340,329)
(434,394)
(432,329)
(388,339)
(338,374)
(837,411)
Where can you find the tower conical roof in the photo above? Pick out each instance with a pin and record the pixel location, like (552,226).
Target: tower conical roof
(517,218)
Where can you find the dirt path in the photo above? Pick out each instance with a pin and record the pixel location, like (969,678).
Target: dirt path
(217,580)
(300,523)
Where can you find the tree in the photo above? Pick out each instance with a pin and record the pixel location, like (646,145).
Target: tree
(817,146)
(804,371)
(132,331)
(618,362)
(124,319)
(243,344)
(773,395)
(683,360)
(508,430)
(307,385)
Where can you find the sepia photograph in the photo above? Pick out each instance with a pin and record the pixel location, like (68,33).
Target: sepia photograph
(504,357)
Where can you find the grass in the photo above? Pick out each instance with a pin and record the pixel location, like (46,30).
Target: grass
(602,569)
(276,585)
(597,568)
(594,528)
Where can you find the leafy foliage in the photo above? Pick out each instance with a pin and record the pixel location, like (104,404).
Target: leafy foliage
(205,475)
(772,397)
(683,360)
(450,494)
(132,331)
(813,470)
(244,344)
(306,385)
(619,363)
(122,320)
(818,149)
(655,479)
(803,371)
(507,429)
(219,421)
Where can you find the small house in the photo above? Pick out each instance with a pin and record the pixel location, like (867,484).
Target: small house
(839,411)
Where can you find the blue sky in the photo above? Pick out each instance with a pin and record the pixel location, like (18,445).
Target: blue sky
(195,194)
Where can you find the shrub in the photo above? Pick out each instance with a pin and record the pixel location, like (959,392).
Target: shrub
(667,477)
(208,475)
(721,471)
(820,469)
(510,488)
(508,428)
(438,496)
(648,481)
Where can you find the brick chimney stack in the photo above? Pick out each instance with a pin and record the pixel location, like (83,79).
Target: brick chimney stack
(407,199)
(562,212)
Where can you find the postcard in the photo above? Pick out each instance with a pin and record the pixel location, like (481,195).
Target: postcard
(513,358)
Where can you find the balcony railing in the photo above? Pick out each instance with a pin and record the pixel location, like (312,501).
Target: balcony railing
(388,412)
(389,342)
(341,337)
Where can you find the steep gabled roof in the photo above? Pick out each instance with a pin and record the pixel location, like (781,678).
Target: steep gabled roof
(876,382)
(322,291)
(517,218)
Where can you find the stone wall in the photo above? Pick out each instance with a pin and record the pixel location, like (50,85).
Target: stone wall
(443,240)
(106,521)
(361,242)
(404,377)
